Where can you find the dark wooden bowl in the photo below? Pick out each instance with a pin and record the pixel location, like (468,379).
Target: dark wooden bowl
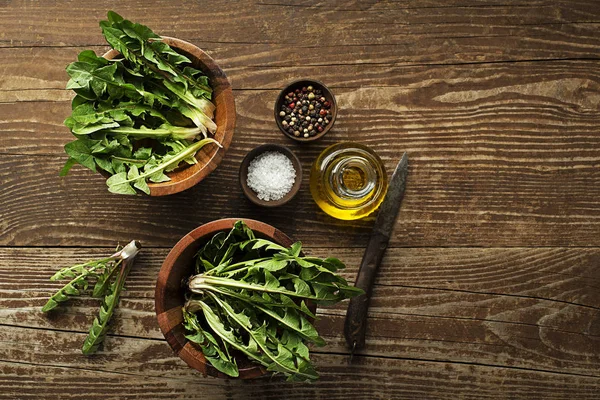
(297,85)
(250,194)
(169,295)
(211,155)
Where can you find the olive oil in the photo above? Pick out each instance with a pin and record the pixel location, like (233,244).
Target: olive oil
(348,181)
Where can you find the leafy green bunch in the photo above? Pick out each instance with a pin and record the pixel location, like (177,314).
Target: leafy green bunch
(109,274)
(249,297)
(139,115)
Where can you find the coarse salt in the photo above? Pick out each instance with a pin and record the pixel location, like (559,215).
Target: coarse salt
(271,175)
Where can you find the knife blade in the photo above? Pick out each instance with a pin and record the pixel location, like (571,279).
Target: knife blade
(356,316)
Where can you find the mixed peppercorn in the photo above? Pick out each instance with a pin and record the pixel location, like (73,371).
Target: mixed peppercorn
(305,112)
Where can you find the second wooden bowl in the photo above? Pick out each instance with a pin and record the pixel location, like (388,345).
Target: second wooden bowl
(250,194)
(169,296)
(210,156)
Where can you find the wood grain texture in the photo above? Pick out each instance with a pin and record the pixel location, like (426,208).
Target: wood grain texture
(568,25)
(491,288)
(32,69)
(523,308)
(503,155)
(366,379)
(526,105)
(467,200)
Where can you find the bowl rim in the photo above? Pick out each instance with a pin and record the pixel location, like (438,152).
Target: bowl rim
(171,187)
(328,93)
(255,152)
(187,351)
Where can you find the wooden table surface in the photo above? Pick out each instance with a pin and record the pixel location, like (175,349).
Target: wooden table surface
(491,285)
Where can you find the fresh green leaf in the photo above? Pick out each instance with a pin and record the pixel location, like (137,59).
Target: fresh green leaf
(67,167)
(139,183)
(70,289)
(88,56)
(143,153)
(104,164)
(120,184)
(103,282)
(79,276)
(80,151)
(113,17)
(295,249)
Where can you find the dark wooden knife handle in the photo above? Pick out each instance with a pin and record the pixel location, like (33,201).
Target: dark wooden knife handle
(356,317)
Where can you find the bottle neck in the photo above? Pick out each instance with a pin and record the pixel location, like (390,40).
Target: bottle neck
(352,178)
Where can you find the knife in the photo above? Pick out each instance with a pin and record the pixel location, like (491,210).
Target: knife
(356,317)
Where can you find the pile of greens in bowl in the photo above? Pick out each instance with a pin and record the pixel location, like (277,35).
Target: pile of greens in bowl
(140,114)
(249,296)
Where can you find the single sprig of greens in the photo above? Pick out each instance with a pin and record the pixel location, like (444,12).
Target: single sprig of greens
(110,274)
(139,115)
(249,295)
(79,276)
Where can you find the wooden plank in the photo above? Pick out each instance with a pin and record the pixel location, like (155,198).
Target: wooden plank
(26,67)
(519,107)
(454,340)
(488,167)
(367,378)
(501,199)
(454,205)
(56,24)
(425,108)
(567,275)
(271,66)
(519,308)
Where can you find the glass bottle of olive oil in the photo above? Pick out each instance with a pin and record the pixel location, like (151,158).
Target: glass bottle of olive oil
(348,181)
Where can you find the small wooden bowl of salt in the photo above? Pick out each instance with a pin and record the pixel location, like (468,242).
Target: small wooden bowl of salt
(270,175)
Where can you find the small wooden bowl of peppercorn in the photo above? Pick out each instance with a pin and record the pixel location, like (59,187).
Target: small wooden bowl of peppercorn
(305,110)
(270,175)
